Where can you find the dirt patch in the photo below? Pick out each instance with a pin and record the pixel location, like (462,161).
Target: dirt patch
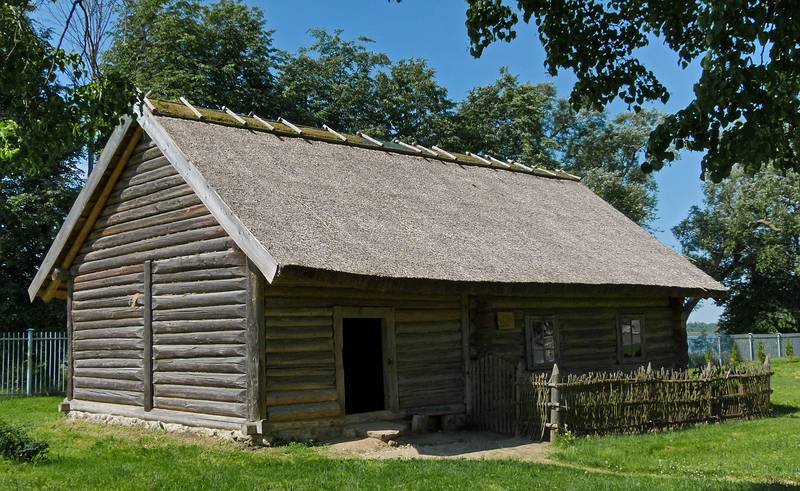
(461,444)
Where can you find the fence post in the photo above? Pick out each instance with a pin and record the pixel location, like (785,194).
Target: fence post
(719,348)
(750,339)
(555,403)
(29,365)
(780,342)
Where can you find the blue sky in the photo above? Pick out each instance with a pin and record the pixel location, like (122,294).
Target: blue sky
(435,30)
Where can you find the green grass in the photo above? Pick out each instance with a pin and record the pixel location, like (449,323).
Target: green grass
(759,454)
(763,450)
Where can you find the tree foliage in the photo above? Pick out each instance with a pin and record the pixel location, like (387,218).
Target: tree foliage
(48,113)
(746,109)
(748,237)
(201,51)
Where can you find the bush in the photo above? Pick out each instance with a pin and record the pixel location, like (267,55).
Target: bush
(760,352)
(17,445)
(789,350)
(734,356)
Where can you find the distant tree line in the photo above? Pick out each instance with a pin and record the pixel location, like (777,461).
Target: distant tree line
(57,106)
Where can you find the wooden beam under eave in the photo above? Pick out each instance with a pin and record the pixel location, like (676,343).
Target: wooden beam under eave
(88,224)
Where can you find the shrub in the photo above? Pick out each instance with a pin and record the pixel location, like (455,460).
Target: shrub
(17,445)
(760,352)
(708,356)
(734,356)
(789,350)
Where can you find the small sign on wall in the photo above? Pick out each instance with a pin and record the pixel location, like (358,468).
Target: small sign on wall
(505,321)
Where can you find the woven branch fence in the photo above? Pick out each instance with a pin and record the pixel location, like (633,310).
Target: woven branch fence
(506,399)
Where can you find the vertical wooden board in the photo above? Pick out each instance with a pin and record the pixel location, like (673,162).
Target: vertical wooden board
(70,336)
(465,350)
(147,355)
(338,344)
(256,348)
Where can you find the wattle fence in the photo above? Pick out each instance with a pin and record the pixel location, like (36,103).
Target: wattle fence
(506,399)
(32,363)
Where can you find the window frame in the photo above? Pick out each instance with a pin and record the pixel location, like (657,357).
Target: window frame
(621,359)
(530,362)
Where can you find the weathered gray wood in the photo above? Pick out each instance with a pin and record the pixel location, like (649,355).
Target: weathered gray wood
(115,373)
(234,338)
(182,207)
(132,192)
(230,380)
(145,160)
(285,333)
(107,383)
(222,273)
(125,238)
(110,333)
(300,359)
(201,407)
(83,354)
(70,340)
(102,324)
(255,344)
(195,313)
(297,321)
(163,415)
(179,204)
(115,141)
(148,242)
(299,345)
(107,313)
(128,398)
(241,234)
(166,302)
(202,260)
(82,281)
(281,398)
(147,336)
(197,326)
(163,352)
(300,383)
(207,365)
(143,176)
(298,412)
(123,279)
(107,344)
(220,394)
(219,244)
(108,292)
(113,363)
(100,303)
(207,286)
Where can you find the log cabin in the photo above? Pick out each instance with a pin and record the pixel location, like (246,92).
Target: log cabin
(226,271)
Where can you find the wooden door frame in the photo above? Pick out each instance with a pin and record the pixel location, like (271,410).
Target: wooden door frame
(388,339)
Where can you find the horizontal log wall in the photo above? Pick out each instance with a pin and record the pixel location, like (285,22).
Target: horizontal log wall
(198,298)
(587,329)
(301,363)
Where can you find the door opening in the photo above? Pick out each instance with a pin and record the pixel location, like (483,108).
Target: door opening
(362,359)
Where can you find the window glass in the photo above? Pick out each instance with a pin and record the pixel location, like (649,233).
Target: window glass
(540,334)
(631,338)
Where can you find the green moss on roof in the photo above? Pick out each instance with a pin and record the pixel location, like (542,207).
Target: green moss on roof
(181,111)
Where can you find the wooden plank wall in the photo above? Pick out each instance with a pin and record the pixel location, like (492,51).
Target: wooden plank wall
(587,329)
(301,378)
(198,297)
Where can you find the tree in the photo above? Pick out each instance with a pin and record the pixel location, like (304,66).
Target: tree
(746,109)
(213,54)
(748,237)
(527,123)
(48,113)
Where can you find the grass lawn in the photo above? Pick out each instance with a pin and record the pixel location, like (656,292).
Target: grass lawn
(763,449)
(83,455)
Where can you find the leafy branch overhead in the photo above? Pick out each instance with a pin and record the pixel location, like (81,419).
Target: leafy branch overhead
(746,107)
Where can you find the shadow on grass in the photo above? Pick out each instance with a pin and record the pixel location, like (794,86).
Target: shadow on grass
(783,410)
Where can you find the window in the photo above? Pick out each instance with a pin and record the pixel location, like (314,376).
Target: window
(631,330)
(540,342)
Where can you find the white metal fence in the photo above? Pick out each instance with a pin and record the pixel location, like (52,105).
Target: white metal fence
(32,362)
(720,346)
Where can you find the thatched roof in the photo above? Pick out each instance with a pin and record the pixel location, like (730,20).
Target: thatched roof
(316,201)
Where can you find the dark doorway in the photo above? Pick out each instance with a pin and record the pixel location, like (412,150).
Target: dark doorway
(362,357)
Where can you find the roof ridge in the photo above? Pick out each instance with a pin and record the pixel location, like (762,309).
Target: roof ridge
(185,110)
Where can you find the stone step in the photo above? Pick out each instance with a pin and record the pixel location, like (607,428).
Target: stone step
(381,430)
